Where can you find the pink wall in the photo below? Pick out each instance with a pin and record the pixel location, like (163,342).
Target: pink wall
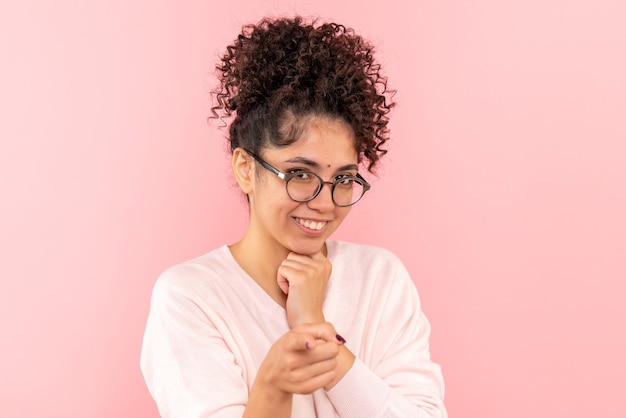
(504,191)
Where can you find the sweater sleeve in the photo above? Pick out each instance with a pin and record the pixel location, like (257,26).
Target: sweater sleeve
(399,379)
(188,367)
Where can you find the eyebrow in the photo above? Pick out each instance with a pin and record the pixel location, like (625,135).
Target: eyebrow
(316,165)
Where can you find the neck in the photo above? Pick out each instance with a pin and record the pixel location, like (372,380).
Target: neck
(260,260)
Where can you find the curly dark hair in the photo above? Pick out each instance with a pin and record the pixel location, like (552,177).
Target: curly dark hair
(279,72)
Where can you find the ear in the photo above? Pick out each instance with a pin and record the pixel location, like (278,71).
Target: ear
(243,168)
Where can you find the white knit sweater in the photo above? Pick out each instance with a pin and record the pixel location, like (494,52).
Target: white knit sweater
(210,327)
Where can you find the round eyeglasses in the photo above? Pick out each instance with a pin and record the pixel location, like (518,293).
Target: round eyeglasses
(303,186)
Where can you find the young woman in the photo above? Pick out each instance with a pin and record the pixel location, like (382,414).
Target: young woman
(285,322)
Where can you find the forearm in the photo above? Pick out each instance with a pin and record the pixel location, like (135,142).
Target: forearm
(363,394)
(268,403)
(345,360)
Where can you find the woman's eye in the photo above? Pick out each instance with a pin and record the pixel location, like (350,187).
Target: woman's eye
(301,174)
(344,179)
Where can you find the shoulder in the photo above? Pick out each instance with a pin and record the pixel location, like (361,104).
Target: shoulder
(371,277)
(374,266)
(194,276)
(369,256)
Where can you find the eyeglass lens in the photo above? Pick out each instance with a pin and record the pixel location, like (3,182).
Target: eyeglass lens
(305,186)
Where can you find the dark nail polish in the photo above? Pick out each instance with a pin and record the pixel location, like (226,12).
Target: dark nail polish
(340,339)
(307,345)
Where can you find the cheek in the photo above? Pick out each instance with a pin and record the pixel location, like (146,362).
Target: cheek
(274,202)
(341,213)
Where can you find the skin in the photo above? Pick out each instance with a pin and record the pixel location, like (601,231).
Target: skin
(289,262)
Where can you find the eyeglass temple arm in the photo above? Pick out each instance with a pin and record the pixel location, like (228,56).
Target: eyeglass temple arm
(280,174)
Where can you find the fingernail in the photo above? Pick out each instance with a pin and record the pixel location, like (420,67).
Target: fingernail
(307,345)
(340,339)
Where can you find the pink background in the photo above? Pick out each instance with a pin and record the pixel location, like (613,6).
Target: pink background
(504,191)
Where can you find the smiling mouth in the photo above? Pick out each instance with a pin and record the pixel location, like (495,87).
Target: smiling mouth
(312,225)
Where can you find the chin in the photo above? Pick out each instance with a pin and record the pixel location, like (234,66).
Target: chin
(307,248)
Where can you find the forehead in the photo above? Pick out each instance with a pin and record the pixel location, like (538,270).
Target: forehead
(325,140)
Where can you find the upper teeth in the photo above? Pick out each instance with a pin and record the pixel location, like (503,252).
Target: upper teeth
(311,224)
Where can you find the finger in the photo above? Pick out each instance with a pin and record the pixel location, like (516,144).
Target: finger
(296,256)
(321,331)
(301,262)
(295,265)
(314,383)
(302,341)
(319,256)
(312,370)
(291,266)
(302,258)
(315,356)
(286,271)
(283,283)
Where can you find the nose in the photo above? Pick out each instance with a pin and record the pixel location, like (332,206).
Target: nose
(323,202)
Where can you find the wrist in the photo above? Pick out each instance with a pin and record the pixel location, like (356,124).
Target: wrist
(345,361)
(308,319)
(268,402)
(267,393)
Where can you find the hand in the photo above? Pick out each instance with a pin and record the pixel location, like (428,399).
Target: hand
(304,279)
(301,361)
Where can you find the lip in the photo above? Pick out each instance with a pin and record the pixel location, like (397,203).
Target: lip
(309,231)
